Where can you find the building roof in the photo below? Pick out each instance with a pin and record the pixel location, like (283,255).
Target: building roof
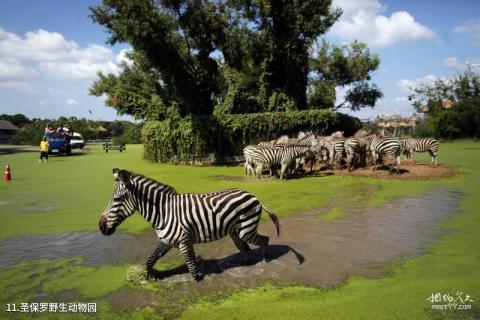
(7,125)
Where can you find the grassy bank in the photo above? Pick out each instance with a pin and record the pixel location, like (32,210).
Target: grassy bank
(451,266)
(68,194)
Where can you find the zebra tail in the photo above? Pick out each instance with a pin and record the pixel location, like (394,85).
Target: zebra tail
(274,218)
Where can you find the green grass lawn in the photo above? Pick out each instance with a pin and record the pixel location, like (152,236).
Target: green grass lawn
(69,193)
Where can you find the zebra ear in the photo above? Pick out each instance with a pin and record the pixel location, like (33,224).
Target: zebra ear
(115,173)
(124,176)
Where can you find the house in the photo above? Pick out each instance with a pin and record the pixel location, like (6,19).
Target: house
(7,130)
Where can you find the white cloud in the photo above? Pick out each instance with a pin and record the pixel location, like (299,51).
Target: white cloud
(451,62)
(18,85)
(470,28)
(42,102)
(50,55)
(122,57)
(11,69)
(362,20)
(71,102)
(407,85)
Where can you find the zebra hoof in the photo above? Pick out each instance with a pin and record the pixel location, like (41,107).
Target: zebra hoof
(197,278)
(149,276)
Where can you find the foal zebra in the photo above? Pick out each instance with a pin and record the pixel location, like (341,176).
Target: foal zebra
(411,145)
(180,220)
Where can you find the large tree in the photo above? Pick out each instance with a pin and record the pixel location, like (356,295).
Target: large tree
(264,40)
(244,55)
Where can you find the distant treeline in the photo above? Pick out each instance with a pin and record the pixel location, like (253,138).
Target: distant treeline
(32,130)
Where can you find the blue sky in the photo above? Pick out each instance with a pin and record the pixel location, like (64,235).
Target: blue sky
(50,51)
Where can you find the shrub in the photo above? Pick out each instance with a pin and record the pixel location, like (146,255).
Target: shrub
(188,139)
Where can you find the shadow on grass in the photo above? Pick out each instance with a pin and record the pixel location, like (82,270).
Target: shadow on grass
(216,266)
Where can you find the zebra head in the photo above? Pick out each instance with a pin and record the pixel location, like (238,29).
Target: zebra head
(121,206)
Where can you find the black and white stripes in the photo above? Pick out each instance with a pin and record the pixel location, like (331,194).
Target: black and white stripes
(180,220)
(382,148)
(411,145)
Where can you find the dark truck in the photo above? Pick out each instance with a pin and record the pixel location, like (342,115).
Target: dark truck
(58,142)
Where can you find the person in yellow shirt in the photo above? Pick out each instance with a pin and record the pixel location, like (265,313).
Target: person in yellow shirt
(43,150)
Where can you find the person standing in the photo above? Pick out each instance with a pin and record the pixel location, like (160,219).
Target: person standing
(43,150)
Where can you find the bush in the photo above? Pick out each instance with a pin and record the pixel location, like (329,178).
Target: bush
(188,139)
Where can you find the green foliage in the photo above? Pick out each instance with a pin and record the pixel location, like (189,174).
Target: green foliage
(33,130)
(31,134)
(135,91)
(176,139)
(280,102)
(452,106)
(199,53)
(131,135)
(190,138)
(18,119)
(348,66)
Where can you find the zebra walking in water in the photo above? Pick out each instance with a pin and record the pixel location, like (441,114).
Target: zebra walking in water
(411,145)
(385,147)
(181,220)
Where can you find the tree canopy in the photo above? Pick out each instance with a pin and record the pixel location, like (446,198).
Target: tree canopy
(237,56)
(452,106)
(349,67)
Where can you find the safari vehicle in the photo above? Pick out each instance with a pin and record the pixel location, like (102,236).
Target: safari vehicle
(58,142)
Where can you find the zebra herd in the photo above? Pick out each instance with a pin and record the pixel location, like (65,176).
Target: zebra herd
(334,150)
(182,220)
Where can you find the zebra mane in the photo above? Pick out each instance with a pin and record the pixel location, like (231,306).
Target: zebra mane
(165,186)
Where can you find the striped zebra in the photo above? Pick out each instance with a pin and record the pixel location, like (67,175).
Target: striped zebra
(181,220)
(385,147)
(336,150)
(282,155)
(411,145)
(248,152)
(353,150)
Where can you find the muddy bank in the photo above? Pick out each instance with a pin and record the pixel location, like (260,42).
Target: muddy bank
(311,250)
(409,171)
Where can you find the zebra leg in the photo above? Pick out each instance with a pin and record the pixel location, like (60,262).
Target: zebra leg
(260,241)
(282,170)
(186,249)
(241,245)
(259,170)
(434,157)
(350,159)
(159,252)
